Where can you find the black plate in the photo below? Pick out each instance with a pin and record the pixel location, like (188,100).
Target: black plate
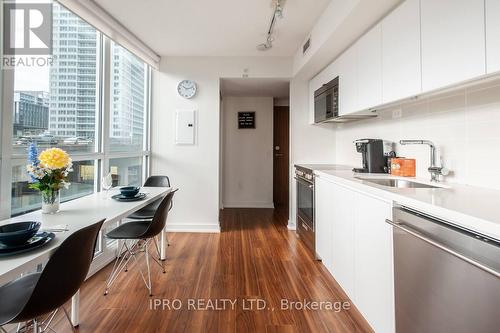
(120,197)
(39,240)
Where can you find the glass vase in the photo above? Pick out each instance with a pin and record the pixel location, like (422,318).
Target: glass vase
(50,202)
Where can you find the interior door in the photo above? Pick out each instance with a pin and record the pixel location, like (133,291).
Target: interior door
(281,156)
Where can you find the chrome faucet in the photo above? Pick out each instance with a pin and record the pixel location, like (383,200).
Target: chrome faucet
(434,170)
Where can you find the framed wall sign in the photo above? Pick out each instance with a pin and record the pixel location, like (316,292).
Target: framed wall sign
(246,120)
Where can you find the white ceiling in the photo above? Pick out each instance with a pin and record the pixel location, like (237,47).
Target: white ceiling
(215,27)
(255,87)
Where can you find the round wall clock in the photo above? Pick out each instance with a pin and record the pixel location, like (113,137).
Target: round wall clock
(187,88)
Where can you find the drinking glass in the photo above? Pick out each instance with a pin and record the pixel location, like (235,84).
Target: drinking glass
(107,183)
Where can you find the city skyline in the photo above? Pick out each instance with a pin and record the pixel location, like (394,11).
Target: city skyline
(71,84)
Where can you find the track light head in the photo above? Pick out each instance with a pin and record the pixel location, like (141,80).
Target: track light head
(264,46)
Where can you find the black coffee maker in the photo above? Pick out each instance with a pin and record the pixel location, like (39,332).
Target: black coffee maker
(374,157)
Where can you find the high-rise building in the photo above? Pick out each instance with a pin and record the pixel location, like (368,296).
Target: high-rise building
(127,91)
(73,88)
(30,113)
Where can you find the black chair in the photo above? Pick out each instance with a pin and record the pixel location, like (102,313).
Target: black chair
(141,233)
(35,295)
(147,212)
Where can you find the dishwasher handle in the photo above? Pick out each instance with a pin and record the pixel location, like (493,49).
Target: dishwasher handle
(444,248)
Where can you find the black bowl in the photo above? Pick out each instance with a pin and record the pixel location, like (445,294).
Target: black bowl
(18,233)
(129,191)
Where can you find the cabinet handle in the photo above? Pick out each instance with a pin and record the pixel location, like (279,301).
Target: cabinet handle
(444,248)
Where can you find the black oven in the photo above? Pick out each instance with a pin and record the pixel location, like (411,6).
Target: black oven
(305,207)
(326,101)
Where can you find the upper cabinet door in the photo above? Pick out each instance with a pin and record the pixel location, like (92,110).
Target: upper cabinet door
(401,70)
(453,42)
(348,81)
(369,52)
(492,36)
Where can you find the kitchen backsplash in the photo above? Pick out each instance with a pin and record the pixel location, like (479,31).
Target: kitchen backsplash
(464,125)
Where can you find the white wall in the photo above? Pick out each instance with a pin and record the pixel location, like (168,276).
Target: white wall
(329,21)
(464,125)
(195,169)
(282,101)
(341,23)
(248,154)
(308,143)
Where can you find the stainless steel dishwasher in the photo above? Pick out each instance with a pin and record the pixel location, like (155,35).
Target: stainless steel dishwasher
(447,279)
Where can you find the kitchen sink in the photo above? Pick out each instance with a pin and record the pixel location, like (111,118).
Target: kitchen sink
(399,183)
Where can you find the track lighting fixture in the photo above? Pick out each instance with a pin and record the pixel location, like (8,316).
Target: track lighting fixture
(277,13)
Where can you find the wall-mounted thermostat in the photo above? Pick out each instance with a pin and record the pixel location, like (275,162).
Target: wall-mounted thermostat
(185,127)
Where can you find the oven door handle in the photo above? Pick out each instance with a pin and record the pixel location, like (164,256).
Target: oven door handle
(304,182)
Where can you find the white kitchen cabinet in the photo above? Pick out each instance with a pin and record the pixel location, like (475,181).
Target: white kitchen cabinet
(335,231)
(373,278)
(401,70)
(453,42)
(323,221)
(492,36)
(369,63)
(343,208)
(348,81)
(355,245)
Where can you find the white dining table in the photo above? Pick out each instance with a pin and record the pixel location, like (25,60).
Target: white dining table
(75,214)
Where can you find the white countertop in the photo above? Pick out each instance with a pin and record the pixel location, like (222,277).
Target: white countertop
(474,208)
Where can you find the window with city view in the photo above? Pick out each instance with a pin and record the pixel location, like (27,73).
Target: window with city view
(128,75)
(59,106)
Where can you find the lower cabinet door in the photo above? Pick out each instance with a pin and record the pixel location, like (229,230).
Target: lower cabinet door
(355,245)
(374,278)
(323,221)
(343,209)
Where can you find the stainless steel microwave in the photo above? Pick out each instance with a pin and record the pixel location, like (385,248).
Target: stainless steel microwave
(326,102)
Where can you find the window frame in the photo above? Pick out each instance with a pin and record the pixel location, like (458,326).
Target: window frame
(101,154)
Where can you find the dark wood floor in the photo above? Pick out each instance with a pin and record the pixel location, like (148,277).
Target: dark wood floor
(255,257)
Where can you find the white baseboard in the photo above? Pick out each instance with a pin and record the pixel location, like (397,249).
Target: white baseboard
(249,204)
(178,227)
(291,225)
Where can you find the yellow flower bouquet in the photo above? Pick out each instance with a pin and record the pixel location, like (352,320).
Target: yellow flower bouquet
(48,172)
